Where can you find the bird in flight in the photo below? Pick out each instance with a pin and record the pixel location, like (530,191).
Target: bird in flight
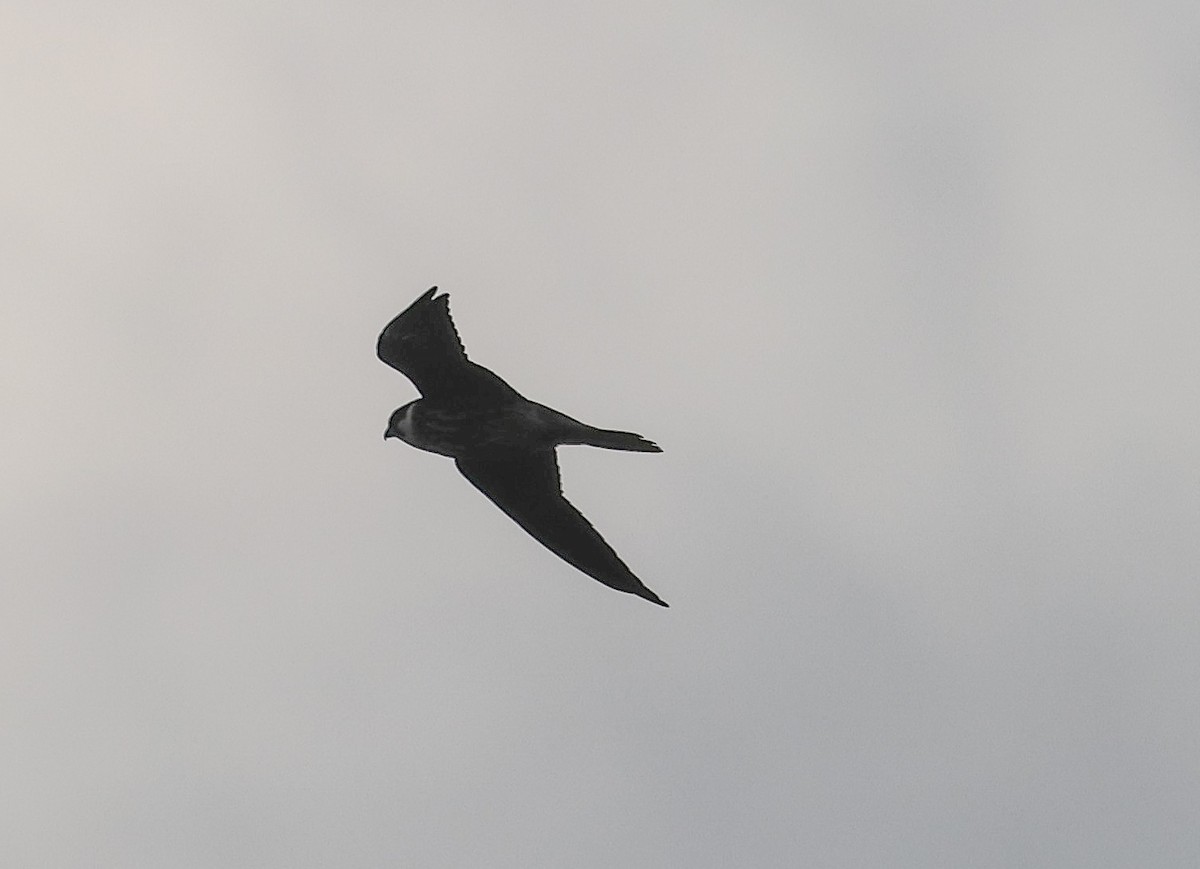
(501,442)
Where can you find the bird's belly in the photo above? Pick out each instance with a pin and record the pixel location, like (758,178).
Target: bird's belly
(465,432)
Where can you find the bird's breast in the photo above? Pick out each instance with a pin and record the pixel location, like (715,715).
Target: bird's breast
(464,431)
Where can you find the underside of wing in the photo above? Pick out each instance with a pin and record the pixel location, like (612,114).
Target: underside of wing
(423,345)
(527,488)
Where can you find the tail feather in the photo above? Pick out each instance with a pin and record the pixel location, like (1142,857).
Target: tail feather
(565,430)
(619,440)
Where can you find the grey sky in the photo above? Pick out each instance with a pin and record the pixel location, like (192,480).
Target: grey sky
(906,291)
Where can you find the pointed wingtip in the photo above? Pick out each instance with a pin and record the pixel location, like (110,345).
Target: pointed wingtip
(652,597)
(417,303)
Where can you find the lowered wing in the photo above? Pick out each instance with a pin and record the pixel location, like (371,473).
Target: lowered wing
(527,488)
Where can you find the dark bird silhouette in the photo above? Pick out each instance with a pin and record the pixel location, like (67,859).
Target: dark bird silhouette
(501,442)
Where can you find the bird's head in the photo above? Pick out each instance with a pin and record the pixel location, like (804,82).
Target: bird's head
(400,423)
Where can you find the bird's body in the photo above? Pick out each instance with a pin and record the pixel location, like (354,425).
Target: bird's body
(463,431)
(501,442)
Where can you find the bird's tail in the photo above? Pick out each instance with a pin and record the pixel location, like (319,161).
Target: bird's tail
(617,440)
(566,430)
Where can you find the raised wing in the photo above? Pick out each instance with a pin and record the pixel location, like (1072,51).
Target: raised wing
(423,345)
(527,488)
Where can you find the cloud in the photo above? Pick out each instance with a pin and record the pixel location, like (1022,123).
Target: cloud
(905,295)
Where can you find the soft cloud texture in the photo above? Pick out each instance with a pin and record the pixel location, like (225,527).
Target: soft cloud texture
(908,293)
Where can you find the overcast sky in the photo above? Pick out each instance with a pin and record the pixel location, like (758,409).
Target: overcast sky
(908,292)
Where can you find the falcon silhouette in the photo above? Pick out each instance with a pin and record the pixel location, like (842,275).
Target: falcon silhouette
(501,442)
